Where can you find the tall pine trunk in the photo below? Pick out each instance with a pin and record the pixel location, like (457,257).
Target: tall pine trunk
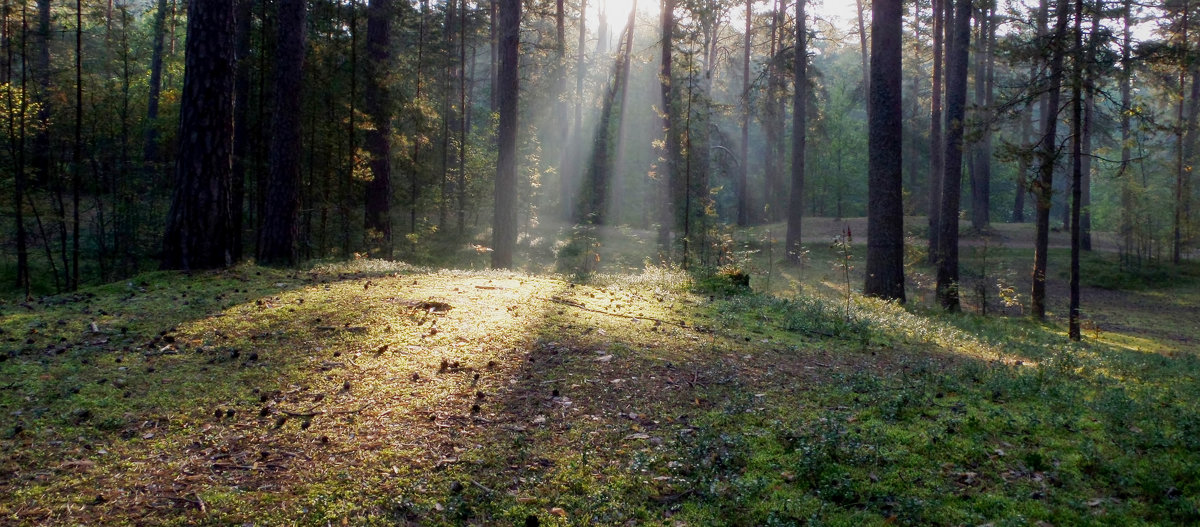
(666,166)
(958,51)
(1076,169)
(504,223)
(241,119)
(378,107)
(199,226)
(941,13)
(278,242)
(1043,188)
(795,213)
(743,212)
(885,205)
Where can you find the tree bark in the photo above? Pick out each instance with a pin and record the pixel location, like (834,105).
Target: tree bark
(504,224)
(378,107)
(981,172)
(666,166)
(885,213)
(743,212)
(958,51)
(1073,332)
(800,128)
(942,9)
(278,242)
(1124,174)
(1048,154)
(199,226)
(241,118)
(150,147)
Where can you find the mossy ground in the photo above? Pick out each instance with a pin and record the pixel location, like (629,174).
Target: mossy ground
(378,393)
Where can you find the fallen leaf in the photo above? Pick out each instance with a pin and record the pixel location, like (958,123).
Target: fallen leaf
(558,511)
(638,436)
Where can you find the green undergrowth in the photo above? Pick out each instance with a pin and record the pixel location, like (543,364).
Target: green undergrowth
(376,393)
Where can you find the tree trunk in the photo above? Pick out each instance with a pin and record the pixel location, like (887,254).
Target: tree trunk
(773,124)
(199,226)
(981,173)
(77,148)
(863,50)
(1089,112)
(504,224)
(278,242)
(800,128)
(958,51)
(1076,168)
(1124,174)
(378,107)
(150,147)
(1048,153)
(16,137)
(941,10)
(241,119)
(41,155)
(743,212)
(885,205)
(666,167)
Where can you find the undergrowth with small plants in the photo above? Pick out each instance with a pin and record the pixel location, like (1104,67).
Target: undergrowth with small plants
(376,393)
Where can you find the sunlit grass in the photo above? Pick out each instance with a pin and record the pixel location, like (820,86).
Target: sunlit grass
(373,392)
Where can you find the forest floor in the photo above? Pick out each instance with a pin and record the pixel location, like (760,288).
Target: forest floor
(371,392)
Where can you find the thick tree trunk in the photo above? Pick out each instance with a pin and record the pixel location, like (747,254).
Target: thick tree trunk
(199,226)
(278,242)
(504,224)
(773,195)
(795,213)
(1043,188)
(378,107)
(885,212)
(241,119)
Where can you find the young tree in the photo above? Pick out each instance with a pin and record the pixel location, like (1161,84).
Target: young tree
(378,107)
(504,224)
(278,242)
(885,213)
(199,226)
(800,128)
(958,51)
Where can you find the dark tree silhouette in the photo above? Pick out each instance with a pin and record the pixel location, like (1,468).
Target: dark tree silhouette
(199,227)
(378,108)
(278,242)
(1047,155)
(885,208)
(957,59)
(504,225)
(795,213)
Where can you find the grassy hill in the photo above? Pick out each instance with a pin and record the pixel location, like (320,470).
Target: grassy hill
(378,393)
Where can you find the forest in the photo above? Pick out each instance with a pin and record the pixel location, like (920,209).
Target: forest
(686,262)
